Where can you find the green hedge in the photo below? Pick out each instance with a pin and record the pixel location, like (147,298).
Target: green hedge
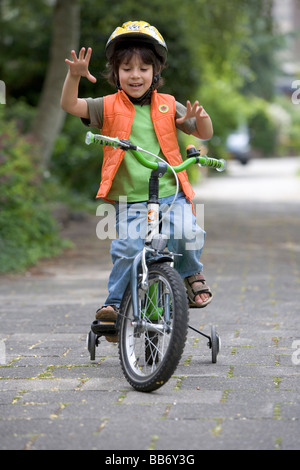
(28,232)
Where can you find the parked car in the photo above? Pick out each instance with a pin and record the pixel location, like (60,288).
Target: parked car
(238,144)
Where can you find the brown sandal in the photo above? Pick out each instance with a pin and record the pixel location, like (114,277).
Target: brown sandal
(108,314)
(196,285)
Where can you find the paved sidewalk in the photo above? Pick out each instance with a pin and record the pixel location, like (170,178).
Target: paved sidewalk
(53,397)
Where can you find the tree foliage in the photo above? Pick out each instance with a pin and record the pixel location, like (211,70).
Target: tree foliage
(221,53)
(25,32)
(27,229)
(203,37)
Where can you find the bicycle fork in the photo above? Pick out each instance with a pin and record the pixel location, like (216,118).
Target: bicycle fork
(139,270)
(155,243)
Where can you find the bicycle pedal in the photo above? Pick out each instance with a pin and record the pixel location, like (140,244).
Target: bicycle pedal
(100,327)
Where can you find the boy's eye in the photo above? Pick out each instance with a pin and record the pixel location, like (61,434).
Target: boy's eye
(127,69)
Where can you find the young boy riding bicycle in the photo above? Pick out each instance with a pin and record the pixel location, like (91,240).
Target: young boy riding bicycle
(136,54)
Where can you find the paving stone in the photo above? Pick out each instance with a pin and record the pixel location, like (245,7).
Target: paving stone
(53,397)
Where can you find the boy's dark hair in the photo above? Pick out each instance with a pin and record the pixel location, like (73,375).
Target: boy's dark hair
(124,52)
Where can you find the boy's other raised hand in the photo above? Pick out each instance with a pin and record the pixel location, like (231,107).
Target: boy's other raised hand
(79,66)
(193,111)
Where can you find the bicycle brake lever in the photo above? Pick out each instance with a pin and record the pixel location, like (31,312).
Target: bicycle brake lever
(127,145)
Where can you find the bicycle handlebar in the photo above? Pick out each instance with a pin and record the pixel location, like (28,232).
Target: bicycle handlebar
(194,156)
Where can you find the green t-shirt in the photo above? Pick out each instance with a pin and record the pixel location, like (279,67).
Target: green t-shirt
(132,178)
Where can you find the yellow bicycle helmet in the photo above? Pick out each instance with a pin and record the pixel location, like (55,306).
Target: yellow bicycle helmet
(137,31)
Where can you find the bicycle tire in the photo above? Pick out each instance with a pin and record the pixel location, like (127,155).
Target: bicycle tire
(149,357)
(91,344)
(215,344)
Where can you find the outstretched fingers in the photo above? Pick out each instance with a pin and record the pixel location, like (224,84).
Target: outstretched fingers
(192,111)
(80,65)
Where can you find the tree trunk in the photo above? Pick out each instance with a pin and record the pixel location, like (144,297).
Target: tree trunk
(65,36)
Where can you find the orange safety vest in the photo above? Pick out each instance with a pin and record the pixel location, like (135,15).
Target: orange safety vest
(118,116)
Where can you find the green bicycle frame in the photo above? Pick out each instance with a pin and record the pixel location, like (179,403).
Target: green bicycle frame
(203,160)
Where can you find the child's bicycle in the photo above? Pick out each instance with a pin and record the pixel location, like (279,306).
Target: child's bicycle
(153,320)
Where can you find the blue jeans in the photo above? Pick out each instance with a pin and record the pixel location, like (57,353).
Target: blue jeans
(185,237)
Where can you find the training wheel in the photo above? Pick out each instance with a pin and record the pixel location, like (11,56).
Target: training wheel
(215,344)
(92,342)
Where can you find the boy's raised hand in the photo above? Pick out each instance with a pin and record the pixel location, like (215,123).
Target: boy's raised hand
(193,111)
(204,128)
(79,66)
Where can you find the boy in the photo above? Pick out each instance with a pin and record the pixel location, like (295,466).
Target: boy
(136,55)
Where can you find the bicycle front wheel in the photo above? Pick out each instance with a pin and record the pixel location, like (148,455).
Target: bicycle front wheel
(150,349)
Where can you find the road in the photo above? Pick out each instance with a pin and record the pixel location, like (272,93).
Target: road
(53,397)
(261,180)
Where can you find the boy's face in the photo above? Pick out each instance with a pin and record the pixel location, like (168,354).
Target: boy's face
(135,76)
